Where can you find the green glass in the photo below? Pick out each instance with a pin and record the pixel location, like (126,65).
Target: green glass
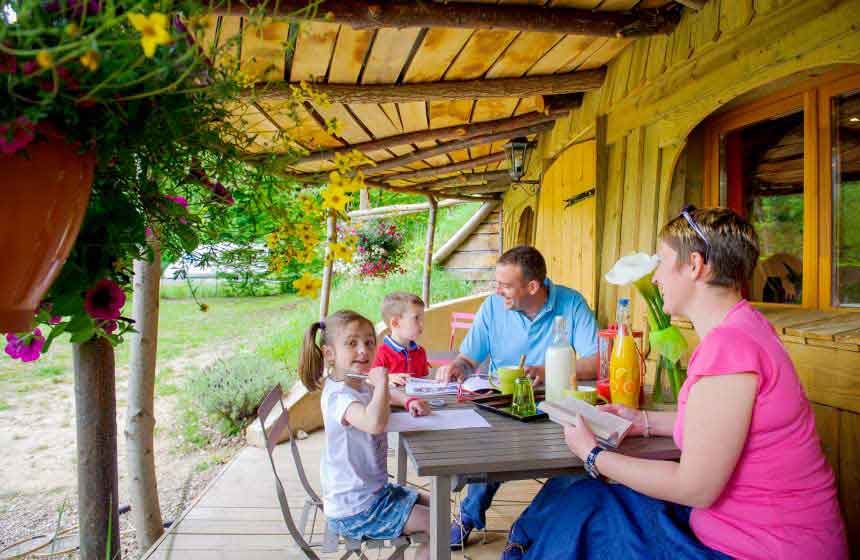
(523,402)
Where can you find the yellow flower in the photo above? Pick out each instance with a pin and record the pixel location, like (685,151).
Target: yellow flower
(307,285)
(44,59)
(72,29)
(309,238)
(353,158)
(90,60)
(308,205)
(341,251)
(153,30)
(335,199)
(334,127)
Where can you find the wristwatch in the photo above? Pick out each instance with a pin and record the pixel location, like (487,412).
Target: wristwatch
(590,467)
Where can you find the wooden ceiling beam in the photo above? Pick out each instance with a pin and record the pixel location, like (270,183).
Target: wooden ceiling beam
(374,14)
(554,107)
(454,145)
(469,179)
(444,169)
(489,188)
(552,84)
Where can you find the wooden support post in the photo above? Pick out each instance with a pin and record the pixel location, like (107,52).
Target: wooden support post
(363,199)
(550,84)
(95,405)
(372,14)
(428,250)
(140,417)
(328,269)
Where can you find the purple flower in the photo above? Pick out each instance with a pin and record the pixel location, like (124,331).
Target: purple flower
(105,300)
(26,348)
(222,194)
(16,134)
(29,67)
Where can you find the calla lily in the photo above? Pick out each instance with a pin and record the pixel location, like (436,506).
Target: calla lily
(631,268)
(665,338)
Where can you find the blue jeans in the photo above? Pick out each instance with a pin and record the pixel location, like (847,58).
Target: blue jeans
(479,497)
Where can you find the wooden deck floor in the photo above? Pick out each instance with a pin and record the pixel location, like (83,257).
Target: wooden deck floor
(237,516)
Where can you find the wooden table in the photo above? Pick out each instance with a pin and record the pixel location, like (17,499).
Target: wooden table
(508,450)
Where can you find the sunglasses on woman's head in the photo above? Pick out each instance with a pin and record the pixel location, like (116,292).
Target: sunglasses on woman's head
(687,213)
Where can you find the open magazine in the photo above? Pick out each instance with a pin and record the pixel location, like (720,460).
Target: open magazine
(609,429)
(424,387)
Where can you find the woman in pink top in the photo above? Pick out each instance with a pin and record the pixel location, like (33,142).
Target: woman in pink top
(752,481)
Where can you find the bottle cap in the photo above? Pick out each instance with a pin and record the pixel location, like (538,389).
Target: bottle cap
(624,301)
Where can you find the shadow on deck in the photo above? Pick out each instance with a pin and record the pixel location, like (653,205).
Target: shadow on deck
(237,516)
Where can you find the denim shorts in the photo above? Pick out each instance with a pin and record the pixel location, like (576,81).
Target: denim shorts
(384,519)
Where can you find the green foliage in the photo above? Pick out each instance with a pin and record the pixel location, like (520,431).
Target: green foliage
(229,390)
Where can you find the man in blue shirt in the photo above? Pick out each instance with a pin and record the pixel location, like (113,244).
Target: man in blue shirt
(518,320)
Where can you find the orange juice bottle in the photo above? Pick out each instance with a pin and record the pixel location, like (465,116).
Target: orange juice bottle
(624,374)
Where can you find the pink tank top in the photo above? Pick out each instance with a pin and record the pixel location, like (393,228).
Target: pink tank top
(780,502)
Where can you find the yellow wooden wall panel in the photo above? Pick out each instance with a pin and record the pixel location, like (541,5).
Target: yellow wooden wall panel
(682,39)
(735,15)
(611,232)
(607,52)
(849,477)
(707,26)
(639,58)
(350,51)
(657,52)
(827,420)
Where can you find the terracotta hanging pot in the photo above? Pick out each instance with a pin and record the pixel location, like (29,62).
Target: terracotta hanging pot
(44,192)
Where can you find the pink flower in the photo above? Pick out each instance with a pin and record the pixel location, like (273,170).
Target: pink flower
(109,326)
(180,200)
(26,348)
(29,67)
(55,319)
(105,300)
(16,134)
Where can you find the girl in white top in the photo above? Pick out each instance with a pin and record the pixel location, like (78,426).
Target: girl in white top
(357,498)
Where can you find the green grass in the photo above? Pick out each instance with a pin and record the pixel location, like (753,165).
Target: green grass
(4,406)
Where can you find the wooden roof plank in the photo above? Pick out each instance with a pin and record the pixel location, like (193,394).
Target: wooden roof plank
(449,113)
(602,56)
(350,51)
(584,55)
(351,131)
(263,49)
(523,53)
(314,48)
(374,119)
(479,54)
(437,51)
(389,53)
(560,55)
(413,115)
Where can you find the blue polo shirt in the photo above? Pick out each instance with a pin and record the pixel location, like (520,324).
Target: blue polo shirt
(504,335)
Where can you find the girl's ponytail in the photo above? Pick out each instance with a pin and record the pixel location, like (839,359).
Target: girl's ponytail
(311,358)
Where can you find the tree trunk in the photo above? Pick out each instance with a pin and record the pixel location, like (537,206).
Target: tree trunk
(428,250)
(328,269)
(140,423)
(95,405)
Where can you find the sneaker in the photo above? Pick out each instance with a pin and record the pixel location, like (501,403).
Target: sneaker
(460,531)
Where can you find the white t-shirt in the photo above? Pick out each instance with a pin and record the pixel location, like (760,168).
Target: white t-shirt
(354,463)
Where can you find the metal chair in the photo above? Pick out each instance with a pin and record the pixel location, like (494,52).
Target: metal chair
(313,504)
(459,321)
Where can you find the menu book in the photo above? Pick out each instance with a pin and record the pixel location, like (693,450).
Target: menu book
(609,429)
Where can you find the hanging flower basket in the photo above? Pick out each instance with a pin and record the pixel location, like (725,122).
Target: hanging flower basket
(46,189)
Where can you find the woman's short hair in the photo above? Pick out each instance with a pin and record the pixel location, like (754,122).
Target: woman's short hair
(733,252)
(530,261)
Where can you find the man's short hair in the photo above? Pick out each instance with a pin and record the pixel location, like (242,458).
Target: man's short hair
(530,261)
(396,304)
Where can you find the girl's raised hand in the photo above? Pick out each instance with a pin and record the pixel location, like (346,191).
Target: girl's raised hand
(378,377)
(419,407)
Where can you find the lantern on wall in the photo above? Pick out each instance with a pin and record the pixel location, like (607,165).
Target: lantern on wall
(518,150)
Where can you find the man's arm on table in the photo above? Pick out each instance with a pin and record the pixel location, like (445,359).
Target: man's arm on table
(457,370)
